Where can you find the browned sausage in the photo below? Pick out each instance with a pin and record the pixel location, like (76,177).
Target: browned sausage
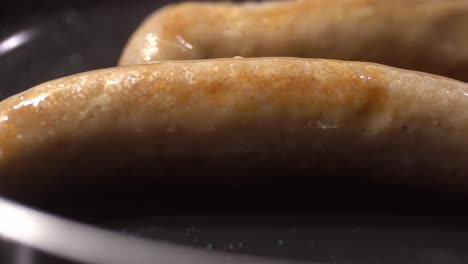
(430,36)
(233,115)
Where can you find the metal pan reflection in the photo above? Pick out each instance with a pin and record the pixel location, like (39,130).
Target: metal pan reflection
(87,244)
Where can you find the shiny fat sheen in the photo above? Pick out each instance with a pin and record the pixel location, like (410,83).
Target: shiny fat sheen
(314,117)
(429,36)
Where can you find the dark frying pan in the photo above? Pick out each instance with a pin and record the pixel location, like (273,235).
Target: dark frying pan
(316,221)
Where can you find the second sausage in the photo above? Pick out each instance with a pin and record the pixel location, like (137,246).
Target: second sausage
(430,36)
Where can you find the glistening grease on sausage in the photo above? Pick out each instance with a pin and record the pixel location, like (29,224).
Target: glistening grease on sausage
(429,36)
(316,117)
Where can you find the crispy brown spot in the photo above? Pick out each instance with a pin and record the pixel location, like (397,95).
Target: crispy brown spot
(374,103)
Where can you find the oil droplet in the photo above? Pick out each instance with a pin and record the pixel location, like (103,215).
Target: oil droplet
(209,246)
(151,46)
(112,82)
(171,129)
(34,102)
(364,77)
(280,242)
(361,76)
(183,42)
(131,79)
(19,136)
(323,125)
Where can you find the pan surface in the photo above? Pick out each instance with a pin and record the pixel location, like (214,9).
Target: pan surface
(44,40)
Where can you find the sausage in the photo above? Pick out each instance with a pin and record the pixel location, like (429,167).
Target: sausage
(236,116)
(429,36)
